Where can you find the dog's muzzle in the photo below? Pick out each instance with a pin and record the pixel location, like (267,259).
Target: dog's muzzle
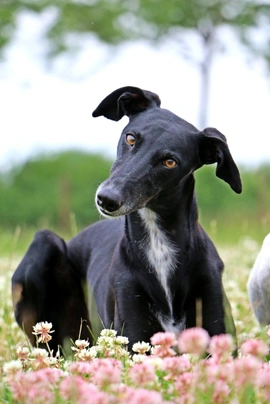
(108,201)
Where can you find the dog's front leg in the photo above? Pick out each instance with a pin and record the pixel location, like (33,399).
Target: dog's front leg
(134,317)
(213,314)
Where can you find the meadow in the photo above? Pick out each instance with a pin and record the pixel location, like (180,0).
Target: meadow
(106,373)
(191,369)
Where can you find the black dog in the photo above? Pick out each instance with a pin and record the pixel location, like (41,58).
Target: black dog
(145,269)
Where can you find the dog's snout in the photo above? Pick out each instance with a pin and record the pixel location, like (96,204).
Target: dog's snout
(109,200)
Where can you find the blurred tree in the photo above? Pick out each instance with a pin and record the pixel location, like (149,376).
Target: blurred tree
(8,9)
(115,21)
(257,37)
(48,190)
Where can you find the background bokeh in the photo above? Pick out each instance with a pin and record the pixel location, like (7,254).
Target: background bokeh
(209,61)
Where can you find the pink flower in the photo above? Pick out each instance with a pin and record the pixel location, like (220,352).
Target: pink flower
(35,386)
(221,346)
(99,371)
(106,371)
(19,386)
(142,396)
(184,383)
(81,368)
(78,390)
(193,340)
(254,347)
(70,387)
(125,394)
(165,339)
(216,371)
(49,376)
(221,392)
(246,371)
(175,366)
(264,381)
(142,374)
(163,351)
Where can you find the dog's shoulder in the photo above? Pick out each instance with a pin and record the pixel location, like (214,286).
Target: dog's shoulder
(97,238)
(206,252)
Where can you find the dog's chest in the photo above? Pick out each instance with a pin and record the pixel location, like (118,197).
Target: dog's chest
(159,251)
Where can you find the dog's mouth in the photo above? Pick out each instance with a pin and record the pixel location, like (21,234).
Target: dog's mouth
(106,214)
(124,210)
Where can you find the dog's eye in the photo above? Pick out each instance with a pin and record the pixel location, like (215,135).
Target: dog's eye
(130,139)
(169,163)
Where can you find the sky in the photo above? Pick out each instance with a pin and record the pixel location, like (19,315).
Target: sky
(44,110)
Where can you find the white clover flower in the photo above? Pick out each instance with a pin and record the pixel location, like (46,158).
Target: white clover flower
(40,327)
(155,361)
(93,351)
(53,361)
(141,347)
(43,329)
(39,353)
(23,352)
(105,341)
(12,366)
(121,340)
(81,343)
(120,353)
(138,358)
(85,355)
(108,333)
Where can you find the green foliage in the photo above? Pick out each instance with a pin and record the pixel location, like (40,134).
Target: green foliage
(117,21)
(45,191)
(7,21)
(228,216)
(58,191)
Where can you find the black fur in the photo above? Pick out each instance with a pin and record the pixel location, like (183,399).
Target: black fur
(112,256)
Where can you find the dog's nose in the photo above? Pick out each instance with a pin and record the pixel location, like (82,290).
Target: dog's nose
(109,200)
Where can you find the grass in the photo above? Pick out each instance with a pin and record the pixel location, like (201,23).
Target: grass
(238,259)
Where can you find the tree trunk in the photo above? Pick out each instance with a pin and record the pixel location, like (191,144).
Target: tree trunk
(205,73)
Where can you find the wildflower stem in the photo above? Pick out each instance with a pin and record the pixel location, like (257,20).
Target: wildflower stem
(49,350)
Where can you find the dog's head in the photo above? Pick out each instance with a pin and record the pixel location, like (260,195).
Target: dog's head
(156,151)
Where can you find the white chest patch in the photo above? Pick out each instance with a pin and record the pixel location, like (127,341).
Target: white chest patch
(160,252)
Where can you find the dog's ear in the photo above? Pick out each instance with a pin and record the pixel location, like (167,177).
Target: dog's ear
(213,148)
(126,101)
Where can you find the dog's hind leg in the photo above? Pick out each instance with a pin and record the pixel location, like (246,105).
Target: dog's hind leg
(45,287)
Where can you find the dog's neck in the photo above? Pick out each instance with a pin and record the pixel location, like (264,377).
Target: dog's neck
(158,249)
(162,236)
(171,217)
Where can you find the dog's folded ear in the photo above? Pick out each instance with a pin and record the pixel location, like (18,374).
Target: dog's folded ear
(126,101)
(213,148)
